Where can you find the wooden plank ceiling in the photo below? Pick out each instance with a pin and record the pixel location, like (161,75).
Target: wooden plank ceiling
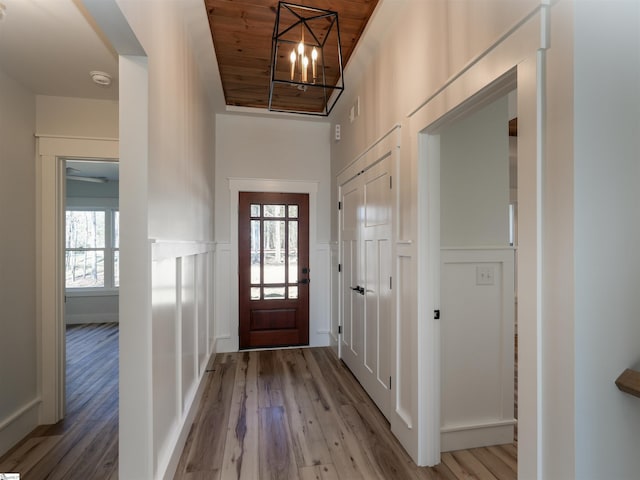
(242,31)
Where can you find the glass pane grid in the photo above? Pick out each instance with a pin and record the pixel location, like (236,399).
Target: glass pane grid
(274,252)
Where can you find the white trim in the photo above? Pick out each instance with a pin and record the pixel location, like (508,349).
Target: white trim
(518,49)
(475,426)
(165,249)
(82,318)
(51,153)
(18,424)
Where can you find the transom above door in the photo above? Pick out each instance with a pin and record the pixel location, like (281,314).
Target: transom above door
(273,249)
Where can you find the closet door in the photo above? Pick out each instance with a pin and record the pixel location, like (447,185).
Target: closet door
(366,281)
(352,292)
(376,231)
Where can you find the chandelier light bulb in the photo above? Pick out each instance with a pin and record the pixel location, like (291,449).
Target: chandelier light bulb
(305,65)
(301,48)
(292,57)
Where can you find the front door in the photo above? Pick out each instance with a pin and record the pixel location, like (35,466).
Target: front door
(273,248)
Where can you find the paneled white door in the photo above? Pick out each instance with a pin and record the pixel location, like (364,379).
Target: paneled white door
(367,280)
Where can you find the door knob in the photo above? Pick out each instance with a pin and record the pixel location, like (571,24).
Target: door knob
(358,289)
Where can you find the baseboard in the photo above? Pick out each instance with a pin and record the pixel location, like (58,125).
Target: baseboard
(183,430)
(81,318)
(473,436)
(17,425)
(225,344)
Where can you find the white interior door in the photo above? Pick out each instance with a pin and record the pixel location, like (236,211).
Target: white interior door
(367,282)
(351,347)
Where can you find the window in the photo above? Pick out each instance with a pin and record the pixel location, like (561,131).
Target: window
(92,249)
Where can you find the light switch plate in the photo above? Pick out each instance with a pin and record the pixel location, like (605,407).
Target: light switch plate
(485,275)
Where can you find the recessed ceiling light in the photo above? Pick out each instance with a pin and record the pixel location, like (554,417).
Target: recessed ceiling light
(101,78)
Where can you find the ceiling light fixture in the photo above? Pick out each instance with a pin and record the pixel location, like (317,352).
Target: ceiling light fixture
(100,78)
(306,61)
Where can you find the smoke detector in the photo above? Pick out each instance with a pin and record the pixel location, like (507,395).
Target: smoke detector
(100,78)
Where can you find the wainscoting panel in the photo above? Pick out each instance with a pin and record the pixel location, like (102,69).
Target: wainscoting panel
(182,301)
(405,333)
(225,283)
(477,338)
(334,277)
(187,320)
(320,297)
(165,351)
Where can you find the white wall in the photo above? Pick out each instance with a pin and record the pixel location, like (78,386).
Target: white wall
(78,117)
(166,200)
(607,235)
(277,149)
(18,340)
(474,179)
(433,58)
(267,152)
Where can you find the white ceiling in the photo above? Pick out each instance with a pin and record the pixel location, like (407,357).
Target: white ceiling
(50,46)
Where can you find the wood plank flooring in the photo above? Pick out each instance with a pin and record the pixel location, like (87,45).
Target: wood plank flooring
(286,414)
(300,414)
(85,444)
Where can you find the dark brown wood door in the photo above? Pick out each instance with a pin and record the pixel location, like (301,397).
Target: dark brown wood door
(273,249)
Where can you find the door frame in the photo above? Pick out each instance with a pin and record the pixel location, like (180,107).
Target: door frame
(528,75)
(52,151)
(231,338)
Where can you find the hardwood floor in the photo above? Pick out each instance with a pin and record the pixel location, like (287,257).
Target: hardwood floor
(286,414)
(300,414)
(85,444)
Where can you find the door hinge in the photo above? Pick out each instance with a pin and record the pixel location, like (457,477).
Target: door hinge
(390,283)
(339,329)
(339,205)
(389,383)
(436,314)
(339,268)
(390,182)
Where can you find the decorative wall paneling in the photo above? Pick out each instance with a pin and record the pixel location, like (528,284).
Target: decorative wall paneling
(477,352)
(182,303)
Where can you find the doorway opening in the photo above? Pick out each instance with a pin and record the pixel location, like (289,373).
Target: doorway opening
(91,253)
(477,279)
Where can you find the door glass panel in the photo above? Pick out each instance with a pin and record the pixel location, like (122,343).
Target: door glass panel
(256,249)
(273,293)
(293,252)
(255,210)
(293,292)
(274,251)
(255,293)
(293,211)
(274,211)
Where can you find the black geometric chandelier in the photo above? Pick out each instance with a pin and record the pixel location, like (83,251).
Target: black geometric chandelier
(306,61)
